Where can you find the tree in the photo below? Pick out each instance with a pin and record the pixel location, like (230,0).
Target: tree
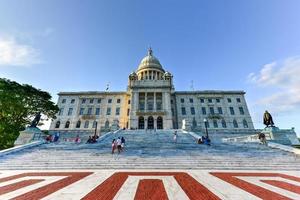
(18,105)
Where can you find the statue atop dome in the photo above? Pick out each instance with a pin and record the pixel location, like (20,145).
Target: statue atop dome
(150,51)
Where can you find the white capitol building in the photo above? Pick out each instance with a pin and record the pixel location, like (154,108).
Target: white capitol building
(151,102)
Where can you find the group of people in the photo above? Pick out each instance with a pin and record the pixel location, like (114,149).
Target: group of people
(118,144)
(52,138)
(92,139)
(204,140)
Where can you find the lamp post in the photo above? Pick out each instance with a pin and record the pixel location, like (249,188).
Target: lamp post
(205,123)
(96,129)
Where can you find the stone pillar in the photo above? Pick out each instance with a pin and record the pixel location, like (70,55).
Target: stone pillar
(154,106)
(168,123)
(145,101)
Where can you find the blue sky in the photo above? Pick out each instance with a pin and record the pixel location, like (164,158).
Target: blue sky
(64,45)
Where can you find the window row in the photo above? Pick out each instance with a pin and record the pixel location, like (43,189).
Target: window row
(97,111)
(83,101)
(212,110)
(222,123)
(88,111)
(65,100)
(209,100)
(78,124)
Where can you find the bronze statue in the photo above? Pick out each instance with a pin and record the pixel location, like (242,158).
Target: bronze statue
(268,120)
(36,120)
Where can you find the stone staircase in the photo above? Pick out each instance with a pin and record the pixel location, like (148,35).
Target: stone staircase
(152,150)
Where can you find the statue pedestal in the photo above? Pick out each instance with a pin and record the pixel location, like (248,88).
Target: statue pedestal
(186,125)
(282,136)
(28,135)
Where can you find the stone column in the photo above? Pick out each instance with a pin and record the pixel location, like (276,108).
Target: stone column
(146,101)
(154,106)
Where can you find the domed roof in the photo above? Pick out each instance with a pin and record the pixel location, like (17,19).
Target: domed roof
(150,62)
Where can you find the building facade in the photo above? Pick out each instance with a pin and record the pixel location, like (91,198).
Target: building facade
(151,102)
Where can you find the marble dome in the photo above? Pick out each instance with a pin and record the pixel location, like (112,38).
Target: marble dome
(150,62)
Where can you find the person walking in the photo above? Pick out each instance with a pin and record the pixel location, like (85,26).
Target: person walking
(175,137)
(119,142)
(113,146)
(262,138)
(122,143)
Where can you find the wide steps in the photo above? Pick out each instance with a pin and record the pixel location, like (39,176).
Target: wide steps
(152,151)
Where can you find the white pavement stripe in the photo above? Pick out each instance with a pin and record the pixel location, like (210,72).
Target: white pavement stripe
(173,190)
(222,189)
(48,180)
(82,187)
(256,181)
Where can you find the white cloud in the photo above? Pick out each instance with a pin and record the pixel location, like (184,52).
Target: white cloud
(16,54)
(282,77)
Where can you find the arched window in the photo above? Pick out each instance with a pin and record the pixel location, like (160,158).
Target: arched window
(78,124)
(106,124)
(141,122)
(215,124)
(159,122)
(57,124)
(150,124)
(224,124)
(245,124)
(235,124)
(86,124)
(94,124)
(67,124)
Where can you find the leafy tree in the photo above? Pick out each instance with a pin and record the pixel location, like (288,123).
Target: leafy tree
(18,105)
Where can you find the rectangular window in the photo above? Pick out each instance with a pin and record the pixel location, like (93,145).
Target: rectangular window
(171,101)
(220,111)
(231,110)
(72,101)
(172,110)
(89,111)
(83,101)
(63,101)
(218,100)
(241,110)
(91,100)
(183,111)
(109,100)
(238,100)
(203,110)
(108,111)
(118,100)
(128,111)
(70,111)
(61,111)
(81,111)
(191,100)
(128,101)
(98,100)
(209,100)
(97,112)
(86,124)
(228,100)
(182,100)
(201,100)
(192,110)
(117,111)
(211,110)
